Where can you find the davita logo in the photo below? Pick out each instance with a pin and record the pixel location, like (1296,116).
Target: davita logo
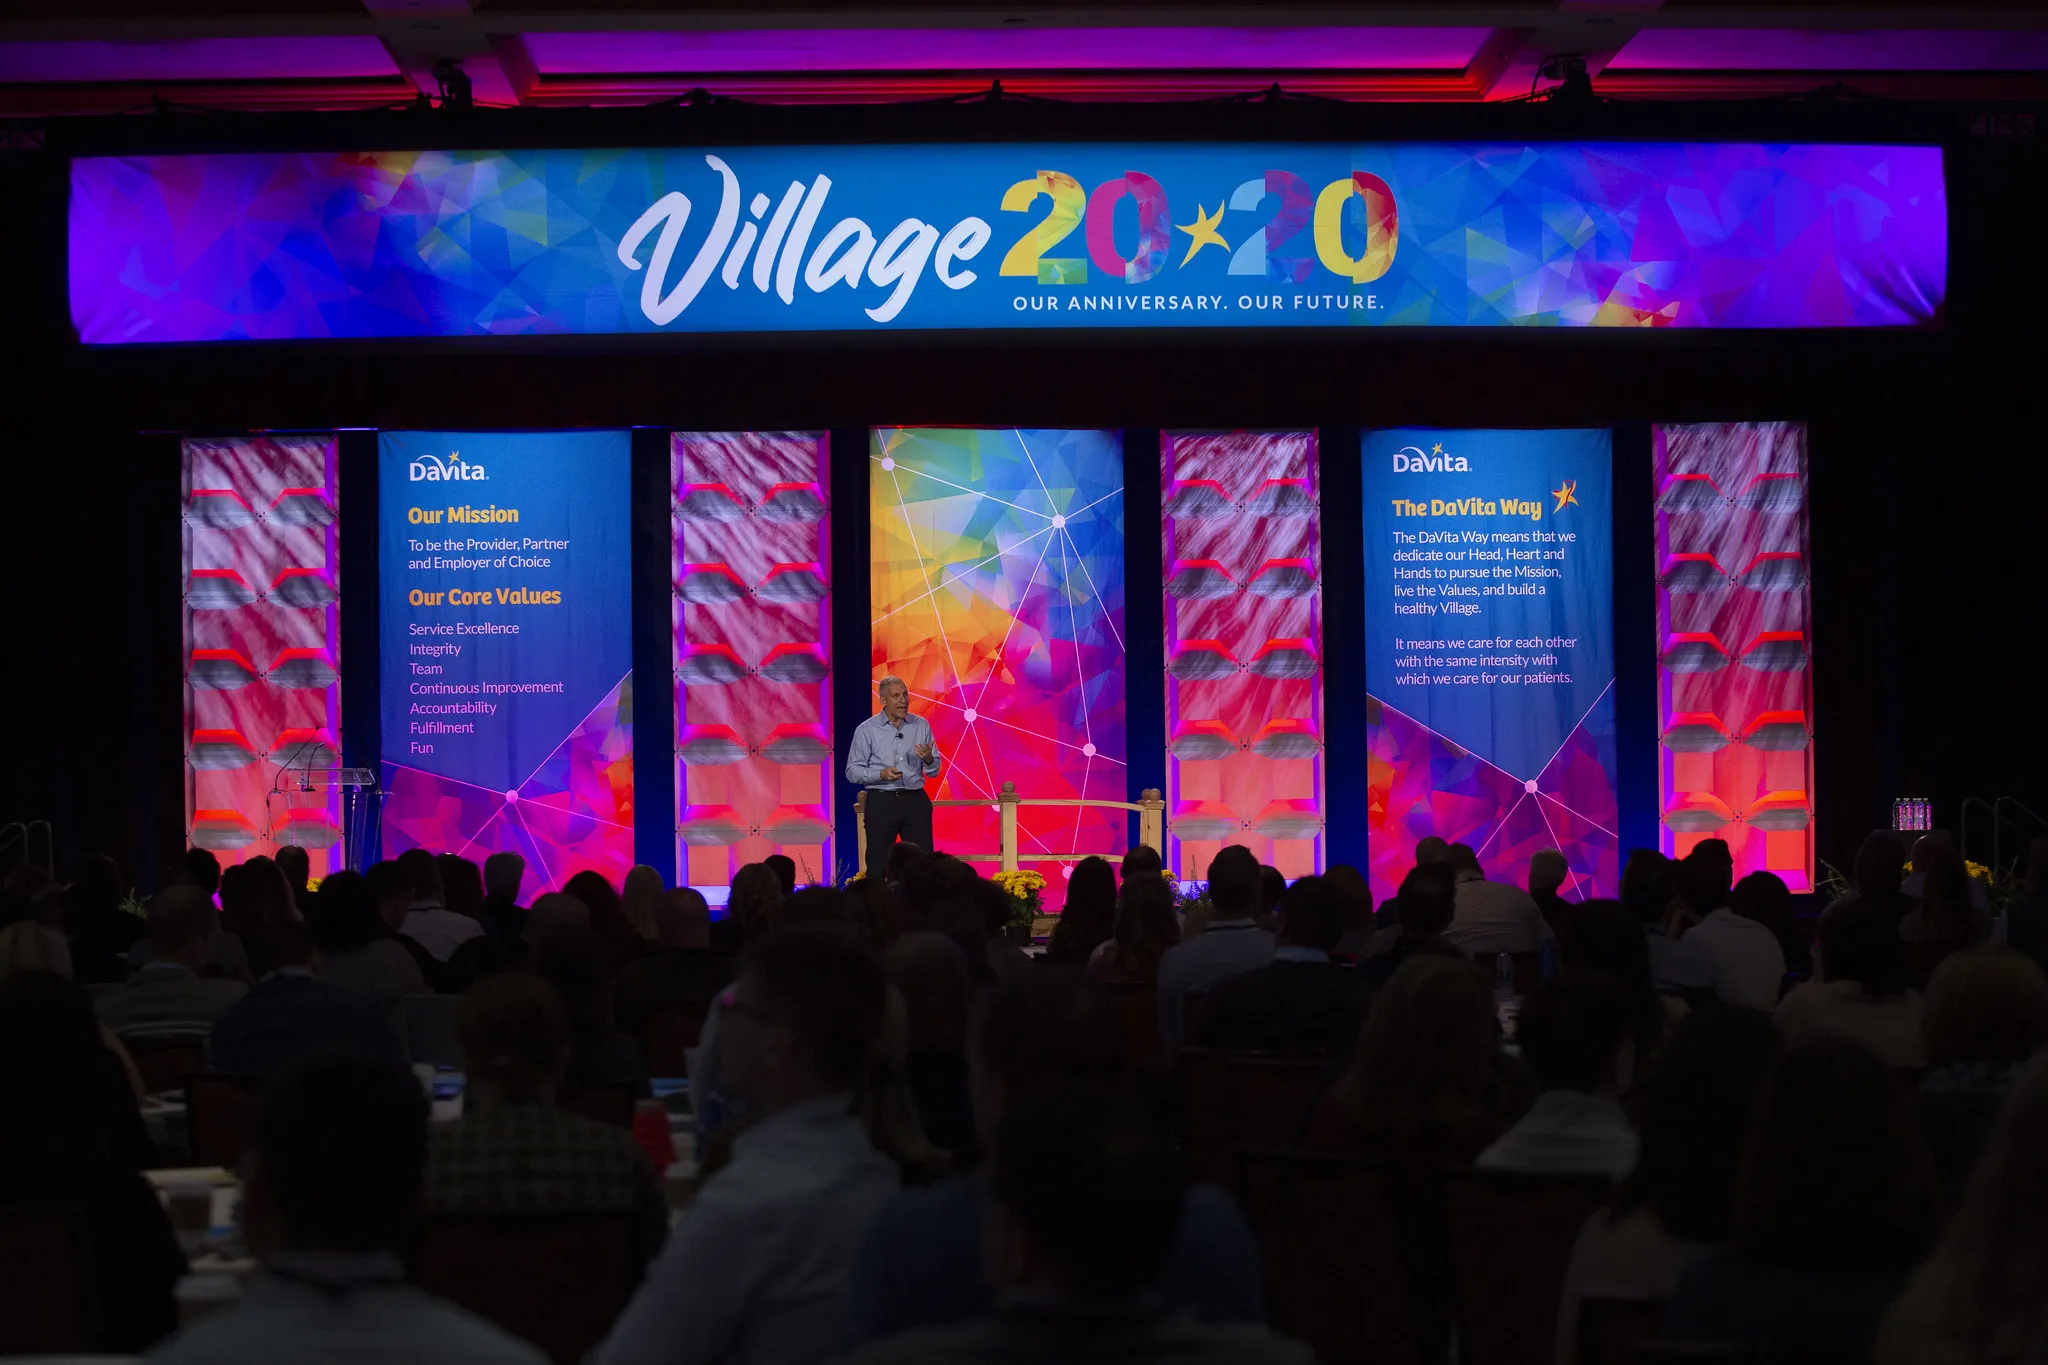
(432,469)
(1411,460)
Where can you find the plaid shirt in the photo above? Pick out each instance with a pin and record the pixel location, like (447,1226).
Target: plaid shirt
(532,1158)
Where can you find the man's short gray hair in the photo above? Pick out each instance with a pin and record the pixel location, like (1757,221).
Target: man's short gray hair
(883,685)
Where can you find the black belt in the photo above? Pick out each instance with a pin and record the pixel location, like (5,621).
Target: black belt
(897,791)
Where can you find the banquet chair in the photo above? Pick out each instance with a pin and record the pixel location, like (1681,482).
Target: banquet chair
(1510,1237)
(1243,1099)
(46,1300)
(426,1024)
(164,1060)
(1611,1327)
(1338,1242)
(607,1102)
(557,1279)
(673,1025)
(220,1113)
(1138,1007)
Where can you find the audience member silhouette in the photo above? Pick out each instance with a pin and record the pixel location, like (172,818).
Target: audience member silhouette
(1145,930)
(1674,1208)
(69,1131)
(921,1263)
(333,1186)
(291,1016)
(1575,1033)
(357,949)
(1303,1001)
(1234,940)
(1087,1202)
(757,1268)
(1088,919)
(1982,1296)
(1986,1015)
(1835,1200)
(514,1150)
(1864,990)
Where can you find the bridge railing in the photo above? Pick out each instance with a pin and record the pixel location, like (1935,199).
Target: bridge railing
(1150,806)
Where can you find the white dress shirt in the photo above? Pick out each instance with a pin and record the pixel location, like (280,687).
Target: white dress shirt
(1225,948)
(1748,963)
(757,1269)
(1493,917)
(879,743)
(1889,1025)
(345,1308)
(1566,1132)
(438,929)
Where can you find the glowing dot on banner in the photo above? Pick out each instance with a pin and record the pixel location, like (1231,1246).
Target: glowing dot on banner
(511,795)
(1059,523)
(1067,871)
(1088,750)
(888,463)
(970,713)
(1530,786)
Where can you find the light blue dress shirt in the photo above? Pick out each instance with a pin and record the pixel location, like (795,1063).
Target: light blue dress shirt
(877,745)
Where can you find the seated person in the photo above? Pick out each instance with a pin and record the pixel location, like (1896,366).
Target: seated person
(1575,1033)
(1303,1002)
(684,966)
(167,995)
(513,1151)
(355,948)
(1423,910)
(428,920)
(575,962)
(1864,991)
(68,1129)
(1087,1203)
(921,1264)
(1233,941)
(291,1015)
(757,1268)
(333,1184)
(1674,1208)
(1836,1200)
(1492,917)
(929,970)
(1745,958)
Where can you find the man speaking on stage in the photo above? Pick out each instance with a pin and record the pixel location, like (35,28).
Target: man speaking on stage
(891,755)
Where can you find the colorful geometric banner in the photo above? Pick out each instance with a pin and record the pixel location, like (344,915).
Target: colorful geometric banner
(1244,648)
(262,647)
(998,596)
(752,620)
(429,243)
(1734,686)
(506,642)
(1490,650)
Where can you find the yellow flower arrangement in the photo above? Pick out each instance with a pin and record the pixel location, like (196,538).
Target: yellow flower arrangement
(1020,885)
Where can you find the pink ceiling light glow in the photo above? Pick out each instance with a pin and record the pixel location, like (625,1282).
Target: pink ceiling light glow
(1056,49)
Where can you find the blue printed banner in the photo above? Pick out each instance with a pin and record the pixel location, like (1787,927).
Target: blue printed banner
(507,691)
(1489,636)
(291,245)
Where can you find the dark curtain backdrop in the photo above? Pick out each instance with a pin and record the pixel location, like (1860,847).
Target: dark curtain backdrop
(1924,448)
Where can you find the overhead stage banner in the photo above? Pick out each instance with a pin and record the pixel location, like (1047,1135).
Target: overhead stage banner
(1489,629)
(294,245)
(506,648)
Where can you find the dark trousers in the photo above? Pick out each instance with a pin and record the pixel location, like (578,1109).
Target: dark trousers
(892,815)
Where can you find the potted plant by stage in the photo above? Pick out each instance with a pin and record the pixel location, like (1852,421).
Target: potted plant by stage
(1026,891)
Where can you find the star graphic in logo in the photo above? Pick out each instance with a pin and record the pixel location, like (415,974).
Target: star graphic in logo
(1437,449)
(1203,232)
(1567,496)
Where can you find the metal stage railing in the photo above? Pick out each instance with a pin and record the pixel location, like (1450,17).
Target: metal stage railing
(1150,806)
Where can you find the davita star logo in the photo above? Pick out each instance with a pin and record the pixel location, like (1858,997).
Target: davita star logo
(432,469)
